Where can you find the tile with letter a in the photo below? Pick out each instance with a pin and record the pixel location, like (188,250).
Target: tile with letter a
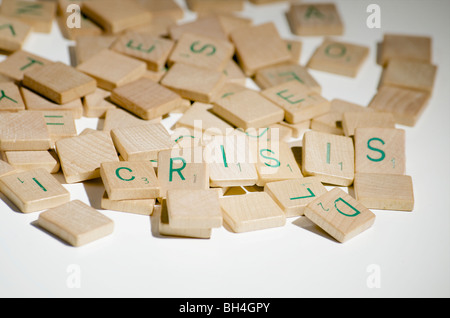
(13,34)
(33,190)
(338,214)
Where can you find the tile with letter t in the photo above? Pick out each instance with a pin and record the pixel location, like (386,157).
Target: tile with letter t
(19,62)
(340,215)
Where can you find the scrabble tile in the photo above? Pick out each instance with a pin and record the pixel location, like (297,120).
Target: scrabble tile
(76,223)
(251,212)
(294,195)
(96,104)
(112,69)
(298,130)
(155,76)
(118,118)
(139,206)
(6,168)
(295,47)
(89,45)
(13,34)
(168,9)
(258,47)
(187,138)
(215,6)
(409,74)
(158,26)
(87,26)
(30,160)
(146,98)
(406,105)
(298,101)
(353,120)
(115,16)
(19,62)
(208,26)
(24,130)
(182,168)
(275,75)
(248,109)
(230,20)
(81,156)
(194,209)
(202,51)
(384,191)
(127,180)
(33,190)
(194,83)
(404,46)
(315,19)
(338,214)
(261,2)
(339,57)
(329,157)
(234,73)
(229,89)
(380,150)
(60,124)
(153,50)
(59,82)
(38,14)
(10,98)
(141,142)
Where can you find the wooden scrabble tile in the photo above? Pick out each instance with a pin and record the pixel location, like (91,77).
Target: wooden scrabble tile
(208,26)
(229,89)
(127,180)
(155,76)
(13,34)
(409,74)
(87,26)
(202,51)
(6,168)
(215,5)
(194,83)
(405,46)
(234,73)
(187,138)
(339,57)
(158,26)
(315,19)
(19,62)
(96,104)
(295,47)
(30,160)
(275,75)
(329,157)
(153,50)
(406,105)
(118,118)
(146,98)
(139,206)
(38,14)
(353,120)
(331,121)
(89,45)
(251,212)
(230,20)
(60,124)
(384,191)
(163,9)
(115,16)
(10,98)
(248,109)
(142,142)
(380,150)
(36,102)
(258,47)
(76,223)
(338,214)
(112,69)
(298,101)
(294,195)
(298,130)
(33,190)
(59,82)
(24,130)
(194,209)
(81,156)
(261,2)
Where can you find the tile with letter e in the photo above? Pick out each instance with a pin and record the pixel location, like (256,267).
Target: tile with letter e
(340,215)
(19,62)
(329,157)
(76,223)
(134,206)
(10,98)
(380,150)
(13,34)
(33,190)
(37,14)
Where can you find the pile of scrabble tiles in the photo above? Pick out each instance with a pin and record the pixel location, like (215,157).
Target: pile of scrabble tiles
(227,161)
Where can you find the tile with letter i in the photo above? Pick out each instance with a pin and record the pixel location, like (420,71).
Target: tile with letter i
(126,180)
(33,190)
(329,157)
(380,150)
(340,215)
(19,62)
(13,34)
(10,98)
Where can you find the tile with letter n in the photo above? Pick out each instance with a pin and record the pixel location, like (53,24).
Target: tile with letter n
(339,57)
(10,98)
(340,215)
(251,212)
(38,14)
(19,62)
(293,195)
(130,180)
(13,34)
(380,150)
(202,51)
(33,190)
(353,120)
(151,49)
(329,157)
(134,206)
(76,223)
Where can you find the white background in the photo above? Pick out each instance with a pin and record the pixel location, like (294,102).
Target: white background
(410,250)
